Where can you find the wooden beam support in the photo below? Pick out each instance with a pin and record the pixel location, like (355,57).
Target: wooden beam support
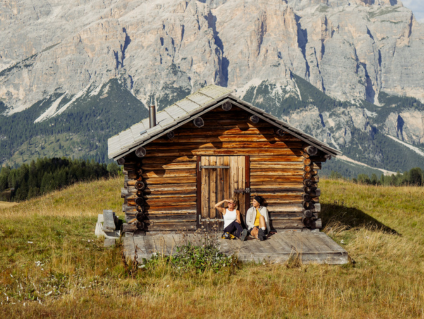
(121,161)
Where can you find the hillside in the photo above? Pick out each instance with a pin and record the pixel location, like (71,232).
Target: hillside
(54,266)
(346,71)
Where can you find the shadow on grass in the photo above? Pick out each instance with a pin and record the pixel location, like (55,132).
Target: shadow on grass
(350,217)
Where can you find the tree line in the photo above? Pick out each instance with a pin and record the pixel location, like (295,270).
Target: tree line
(48,174)
(413,177)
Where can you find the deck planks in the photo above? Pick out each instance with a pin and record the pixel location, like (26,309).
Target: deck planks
(312,247)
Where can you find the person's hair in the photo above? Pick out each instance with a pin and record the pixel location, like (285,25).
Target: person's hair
(235,200)
(259,199)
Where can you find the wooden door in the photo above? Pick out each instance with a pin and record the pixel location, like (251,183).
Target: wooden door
(220,178)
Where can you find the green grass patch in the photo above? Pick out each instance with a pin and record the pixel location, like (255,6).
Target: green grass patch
(53,265)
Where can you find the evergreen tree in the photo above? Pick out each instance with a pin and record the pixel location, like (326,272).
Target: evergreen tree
(416,176)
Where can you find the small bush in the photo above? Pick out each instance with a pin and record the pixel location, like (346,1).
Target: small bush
(190,258)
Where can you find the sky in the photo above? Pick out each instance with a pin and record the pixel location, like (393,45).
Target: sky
(417,6)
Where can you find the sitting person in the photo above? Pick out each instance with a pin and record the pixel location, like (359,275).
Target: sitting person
(232,222)
(257,219)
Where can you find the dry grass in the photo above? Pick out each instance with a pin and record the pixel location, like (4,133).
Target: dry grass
(380,227)
(7,204)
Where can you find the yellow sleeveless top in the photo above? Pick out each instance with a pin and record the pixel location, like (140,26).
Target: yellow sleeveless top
(258,215)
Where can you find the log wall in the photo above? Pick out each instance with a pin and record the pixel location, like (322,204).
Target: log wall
(279,167)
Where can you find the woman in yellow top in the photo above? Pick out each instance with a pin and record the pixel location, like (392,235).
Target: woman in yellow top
(257,219)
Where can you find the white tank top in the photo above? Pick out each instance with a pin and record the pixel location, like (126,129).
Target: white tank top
(229,217)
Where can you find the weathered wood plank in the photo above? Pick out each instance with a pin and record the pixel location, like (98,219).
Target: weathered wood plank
(287,224)
(276,188)
(170,226)
(216,136)
(278,248)
(227,178)
(169,160)
(257,166)
(277,158)
(220,183)
(285,215)
(191,196)
(198,192)
(276,172)
(169,173)
(171,217)
(275,201)
(213,186)
(230,152)
(216,143)
(241,162)
(169,166)
(275,179)
(170,202)
(169,180)
(172,188)
(181,209)
(205,187)
(282,195)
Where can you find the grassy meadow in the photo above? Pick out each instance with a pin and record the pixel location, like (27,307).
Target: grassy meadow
(52,265)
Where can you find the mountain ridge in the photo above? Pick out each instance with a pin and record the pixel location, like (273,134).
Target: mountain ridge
(347,72)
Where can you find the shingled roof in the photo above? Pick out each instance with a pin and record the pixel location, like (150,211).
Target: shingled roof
(186,110)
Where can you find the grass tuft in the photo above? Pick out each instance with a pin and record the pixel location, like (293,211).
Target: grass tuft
(53,266)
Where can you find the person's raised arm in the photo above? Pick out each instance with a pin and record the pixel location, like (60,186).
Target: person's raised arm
(219,208)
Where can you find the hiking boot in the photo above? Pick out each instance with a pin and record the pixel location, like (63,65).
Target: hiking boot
(226,235)
(232,237)
(261,235)
(243,235)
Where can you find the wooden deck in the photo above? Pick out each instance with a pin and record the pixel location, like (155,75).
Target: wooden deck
(312,247)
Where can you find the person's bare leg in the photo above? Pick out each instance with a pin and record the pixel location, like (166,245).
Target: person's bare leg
(262,223)
(254,232)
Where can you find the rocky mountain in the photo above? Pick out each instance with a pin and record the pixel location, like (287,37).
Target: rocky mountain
(350,72)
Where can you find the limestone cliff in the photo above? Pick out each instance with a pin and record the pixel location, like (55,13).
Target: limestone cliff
(59,54)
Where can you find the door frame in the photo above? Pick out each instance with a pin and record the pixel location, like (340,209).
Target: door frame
(199,187)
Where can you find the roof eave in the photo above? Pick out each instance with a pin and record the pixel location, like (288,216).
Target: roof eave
(249,108)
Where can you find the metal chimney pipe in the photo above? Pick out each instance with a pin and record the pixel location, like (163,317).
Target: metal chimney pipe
(152,116)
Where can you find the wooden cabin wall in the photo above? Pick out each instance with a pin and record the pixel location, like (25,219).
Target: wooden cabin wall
(278,169)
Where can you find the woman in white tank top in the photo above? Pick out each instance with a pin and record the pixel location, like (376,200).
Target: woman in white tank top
(232,222)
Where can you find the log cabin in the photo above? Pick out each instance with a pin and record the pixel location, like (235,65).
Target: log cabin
(212,146)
